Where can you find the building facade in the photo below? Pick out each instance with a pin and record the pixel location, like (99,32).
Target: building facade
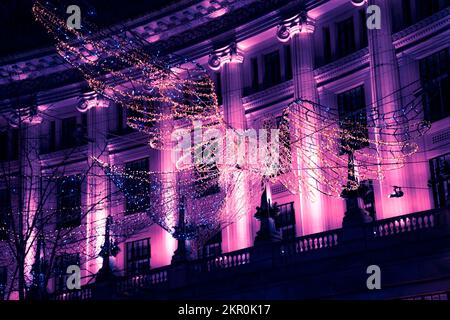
(262,55)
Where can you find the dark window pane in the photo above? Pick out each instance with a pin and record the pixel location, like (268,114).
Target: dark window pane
(5,213)
(426,8)
(138,255)
(137,198)
(288,62)
(68,132)
(255,74)
(363,20)
(4,145)
(353,118)
(406,13)
(219,88)
(3,281)
(346,37)
(435,83)
(326,45)
(272,71)
(69,202)
(440,180)
(14,148)
(213,247)
(285,221)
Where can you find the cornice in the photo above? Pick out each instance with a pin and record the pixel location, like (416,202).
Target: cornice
(402,39)
(342,66)
(422,29)
(54,74)
(278,92)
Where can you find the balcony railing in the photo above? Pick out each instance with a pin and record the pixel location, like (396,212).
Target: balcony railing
(407,223)
(224,261)
(313,242)
(284,252)
(85,293)
(135,282)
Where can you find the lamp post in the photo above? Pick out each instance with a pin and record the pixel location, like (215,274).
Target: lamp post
(109,248)
(266,214)
(355,214)
(181,254)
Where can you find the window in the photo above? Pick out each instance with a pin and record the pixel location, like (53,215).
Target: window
(346,37)
(14,148)
(62,262)
(427,8)
(213,247)
(272,71)
(368,197)
(52,137)
(48,139)
(84,126)
(5,213)
(137,198)
(4,145)
(363,26)
(435,83)
(353,118)
(285,144)
(285,221)
(440,180)
(287,63)
(326,45)
(138,257)
(3,281)
(68,132)
(207,173)
(68,201)
(406,13)
(219,88)
(255,74)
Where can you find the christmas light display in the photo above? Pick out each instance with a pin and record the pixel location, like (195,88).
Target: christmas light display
(316,145)
(156,89)
(375,143)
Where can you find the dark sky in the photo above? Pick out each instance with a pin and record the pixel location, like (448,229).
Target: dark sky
(19,32)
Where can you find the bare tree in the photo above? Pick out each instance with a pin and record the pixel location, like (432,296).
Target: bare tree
(48,213)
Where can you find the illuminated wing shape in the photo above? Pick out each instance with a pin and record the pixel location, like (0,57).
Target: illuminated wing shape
(154,89)
(321,139)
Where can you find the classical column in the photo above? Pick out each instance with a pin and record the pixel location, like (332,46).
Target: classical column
(97,202)
(229,61)
(162,160)
(27,121)
(386,98)
(298,31)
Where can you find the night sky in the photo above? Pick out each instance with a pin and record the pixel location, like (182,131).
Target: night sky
(19,32)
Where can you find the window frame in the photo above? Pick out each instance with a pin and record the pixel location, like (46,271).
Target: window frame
(133,261)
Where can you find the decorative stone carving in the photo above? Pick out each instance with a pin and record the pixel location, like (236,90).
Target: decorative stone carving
(26,115)
(300,23)
(229,54)
(358,3)
(91,100)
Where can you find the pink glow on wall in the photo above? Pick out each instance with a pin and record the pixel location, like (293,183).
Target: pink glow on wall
(97,225)
(162,246)
(238,235)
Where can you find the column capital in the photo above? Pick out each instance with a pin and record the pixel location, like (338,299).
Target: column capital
(91,100)
(300,23)
(24,115)
(359,3)
(228,54)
